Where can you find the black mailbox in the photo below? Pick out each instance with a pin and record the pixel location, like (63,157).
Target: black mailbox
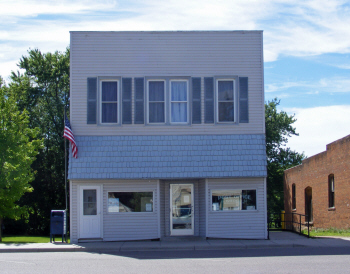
(58,224)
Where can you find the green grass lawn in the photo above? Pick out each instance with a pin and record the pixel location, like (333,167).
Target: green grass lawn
(28,239)
(329,232)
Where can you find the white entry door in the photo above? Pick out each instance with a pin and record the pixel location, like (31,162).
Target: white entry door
(182,209)
(90,212)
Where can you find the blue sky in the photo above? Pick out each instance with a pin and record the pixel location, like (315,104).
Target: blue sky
(306,46)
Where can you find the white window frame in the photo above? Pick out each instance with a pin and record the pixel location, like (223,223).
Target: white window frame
(187,102)
(165,99)
(118,102)
(133,213)
(234,80)
(241,201)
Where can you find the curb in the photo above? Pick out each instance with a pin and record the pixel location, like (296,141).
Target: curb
(177,246)
(138,249)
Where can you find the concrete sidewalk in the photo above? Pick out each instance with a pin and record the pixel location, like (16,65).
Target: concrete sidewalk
(277,240)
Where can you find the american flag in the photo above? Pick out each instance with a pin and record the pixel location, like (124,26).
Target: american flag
(68,134)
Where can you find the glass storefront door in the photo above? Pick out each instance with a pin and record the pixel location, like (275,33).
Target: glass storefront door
(182,209)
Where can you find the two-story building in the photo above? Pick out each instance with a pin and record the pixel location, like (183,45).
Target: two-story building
(171,135)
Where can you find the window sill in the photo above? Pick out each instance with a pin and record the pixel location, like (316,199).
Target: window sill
(331,209)
(233,211)
(108,124)
(225,123)
(130,213)
(294,210)
(169,124)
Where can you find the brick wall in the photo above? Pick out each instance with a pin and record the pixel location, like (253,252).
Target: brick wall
(314,172)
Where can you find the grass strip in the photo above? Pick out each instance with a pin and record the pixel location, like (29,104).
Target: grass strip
(317,232)
(28,239)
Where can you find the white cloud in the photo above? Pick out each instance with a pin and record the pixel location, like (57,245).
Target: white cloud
(32,8)
(341,66)
(318,127)
(308,28)
(297,28)
(328,85)
(6,68)
(26,28)
(274,87)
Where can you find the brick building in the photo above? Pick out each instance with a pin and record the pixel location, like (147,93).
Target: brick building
(320,187)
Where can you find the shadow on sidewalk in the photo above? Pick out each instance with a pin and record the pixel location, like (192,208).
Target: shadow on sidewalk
(232,253)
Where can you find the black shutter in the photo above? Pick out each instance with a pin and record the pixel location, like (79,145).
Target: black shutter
(243,100)
(126,99)
(139,101)
(209,99)
(92,100)
(196,100)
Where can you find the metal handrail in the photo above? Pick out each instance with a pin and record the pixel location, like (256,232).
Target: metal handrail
(281,222)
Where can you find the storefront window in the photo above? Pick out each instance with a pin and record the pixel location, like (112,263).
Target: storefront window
(130,201)
(228,200)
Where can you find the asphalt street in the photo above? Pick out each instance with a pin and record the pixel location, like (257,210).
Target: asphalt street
(259,260)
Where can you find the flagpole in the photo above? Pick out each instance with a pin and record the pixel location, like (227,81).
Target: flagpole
(65,163)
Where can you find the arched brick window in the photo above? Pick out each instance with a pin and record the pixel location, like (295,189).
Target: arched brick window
(331,190)
(308,204)
(294,201)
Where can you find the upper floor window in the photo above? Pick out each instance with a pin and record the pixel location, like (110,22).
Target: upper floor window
(156,101)
(168,101)
(178,101)
(109,101)
(225,94)
(331,190)
(294,201)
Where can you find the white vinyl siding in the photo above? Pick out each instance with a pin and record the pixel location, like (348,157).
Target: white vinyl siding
(196,210)
(237,224)
(130,225)
(244,224)
(202,208)
(163,208)
(168,54)
(73,227)
(167,208)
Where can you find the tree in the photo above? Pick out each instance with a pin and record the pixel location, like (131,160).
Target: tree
(43,89)
(18,147)
(279,157)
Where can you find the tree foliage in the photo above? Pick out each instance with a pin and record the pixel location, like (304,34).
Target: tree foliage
(43,89)
(18,147)
(279,157)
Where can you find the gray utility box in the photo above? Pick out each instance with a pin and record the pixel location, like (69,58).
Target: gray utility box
(58,223)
